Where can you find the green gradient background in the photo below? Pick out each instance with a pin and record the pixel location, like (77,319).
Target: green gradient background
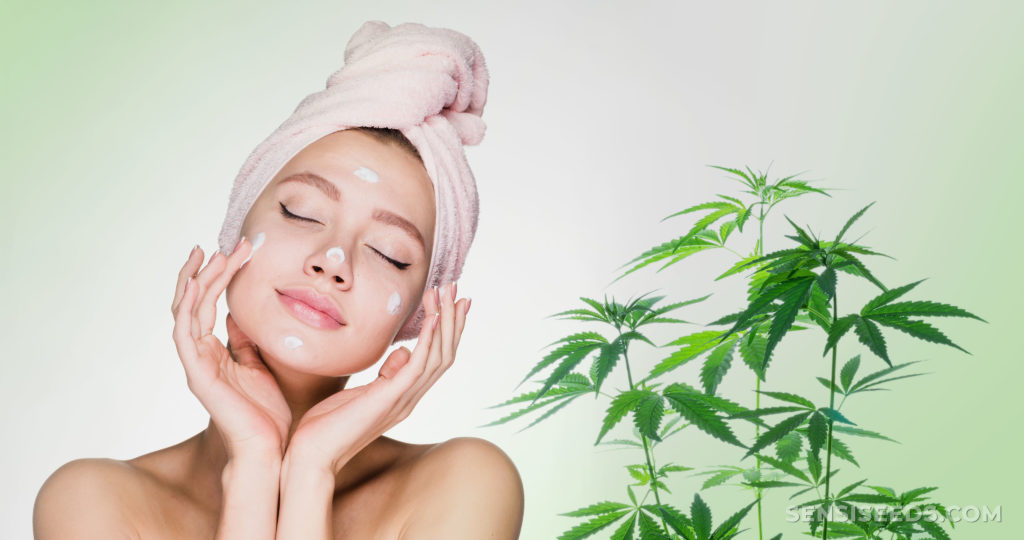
(117,118)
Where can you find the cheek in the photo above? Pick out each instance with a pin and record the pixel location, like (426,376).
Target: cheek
(394,305)
(257,242)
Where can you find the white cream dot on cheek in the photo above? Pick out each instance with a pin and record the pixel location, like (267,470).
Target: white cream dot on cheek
(367,174)
(336,254)
(257,241)
(394,303)
(292,342)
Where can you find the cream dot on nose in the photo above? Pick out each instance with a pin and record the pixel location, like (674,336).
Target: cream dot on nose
(336,254)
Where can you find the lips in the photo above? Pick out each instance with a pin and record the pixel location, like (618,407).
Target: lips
(314,309)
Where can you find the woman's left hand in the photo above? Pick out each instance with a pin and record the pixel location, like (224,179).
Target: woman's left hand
(337,428)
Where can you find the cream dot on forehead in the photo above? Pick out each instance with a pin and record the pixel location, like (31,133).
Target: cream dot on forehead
(292,342)
(336,254)
(367,174)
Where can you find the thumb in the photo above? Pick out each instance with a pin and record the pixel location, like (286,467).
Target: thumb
(398,358)
(242,348)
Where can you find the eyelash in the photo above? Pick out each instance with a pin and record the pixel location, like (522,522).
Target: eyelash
(289,215)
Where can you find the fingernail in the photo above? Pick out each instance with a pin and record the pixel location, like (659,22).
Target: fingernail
(437,317)
(469,303)
(455,289)
(437,296)
(194,248)
(239,244)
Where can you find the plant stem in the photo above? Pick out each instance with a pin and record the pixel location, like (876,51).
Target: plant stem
(757,395)
(757,435)
(643,438)
(831,404)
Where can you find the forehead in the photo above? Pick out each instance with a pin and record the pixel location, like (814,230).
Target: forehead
(342,158)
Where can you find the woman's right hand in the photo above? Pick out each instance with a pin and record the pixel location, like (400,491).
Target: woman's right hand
(235,386)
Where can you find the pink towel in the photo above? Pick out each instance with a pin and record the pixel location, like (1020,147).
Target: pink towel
(429,83)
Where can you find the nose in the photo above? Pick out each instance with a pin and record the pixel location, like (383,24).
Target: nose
(333,263)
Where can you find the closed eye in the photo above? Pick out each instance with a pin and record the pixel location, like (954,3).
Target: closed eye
(398,264)
(286,213)
(289,215)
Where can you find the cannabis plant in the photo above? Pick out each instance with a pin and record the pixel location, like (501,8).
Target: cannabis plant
(787,290)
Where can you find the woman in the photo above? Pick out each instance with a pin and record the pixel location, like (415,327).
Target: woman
(340,239)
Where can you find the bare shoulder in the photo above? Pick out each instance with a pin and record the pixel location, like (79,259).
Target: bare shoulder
(466,487)
(87,498)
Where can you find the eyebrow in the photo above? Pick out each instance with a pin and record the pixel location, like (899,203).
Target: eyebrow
(379,214)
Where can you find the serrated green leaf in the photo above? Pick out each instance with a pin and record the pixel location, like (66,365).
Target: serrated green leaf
(838,330)
(840,450)
(647,415)
(788,447)
(850,221)
(870,335)
(729,524)
(692,346)
(700,517)
(887,296)
(867,379)
(835,415)
(764,411)
(752,347)
(817,431)
(605,362)
(792,301)
(717,365)
(860,432)
(591,527)
(792,398)
(848,372)
(625,529)
(700,415)
(619,407)
(919,329)
(827,282)
(676,520)
(814,465)
(720,478)
(602,507)
(777,432)
(785,466)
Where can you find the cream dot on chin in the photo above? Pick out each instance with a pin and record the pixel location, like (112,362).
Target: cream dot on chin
(336,254)
(367,174)
(394,303)
(292,342)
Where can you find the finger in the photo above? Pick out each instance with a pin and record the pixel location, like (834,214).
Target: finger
(208,304)
(395,361)
(412,377)
(187,270)
(433,359)
(461,312)
(242,348)
(182,332)
(416,364)
(213,268)
(445,329)
(450,324)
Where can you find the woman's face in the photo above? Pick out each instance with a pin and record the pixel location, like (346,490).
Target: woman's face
(360,242)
